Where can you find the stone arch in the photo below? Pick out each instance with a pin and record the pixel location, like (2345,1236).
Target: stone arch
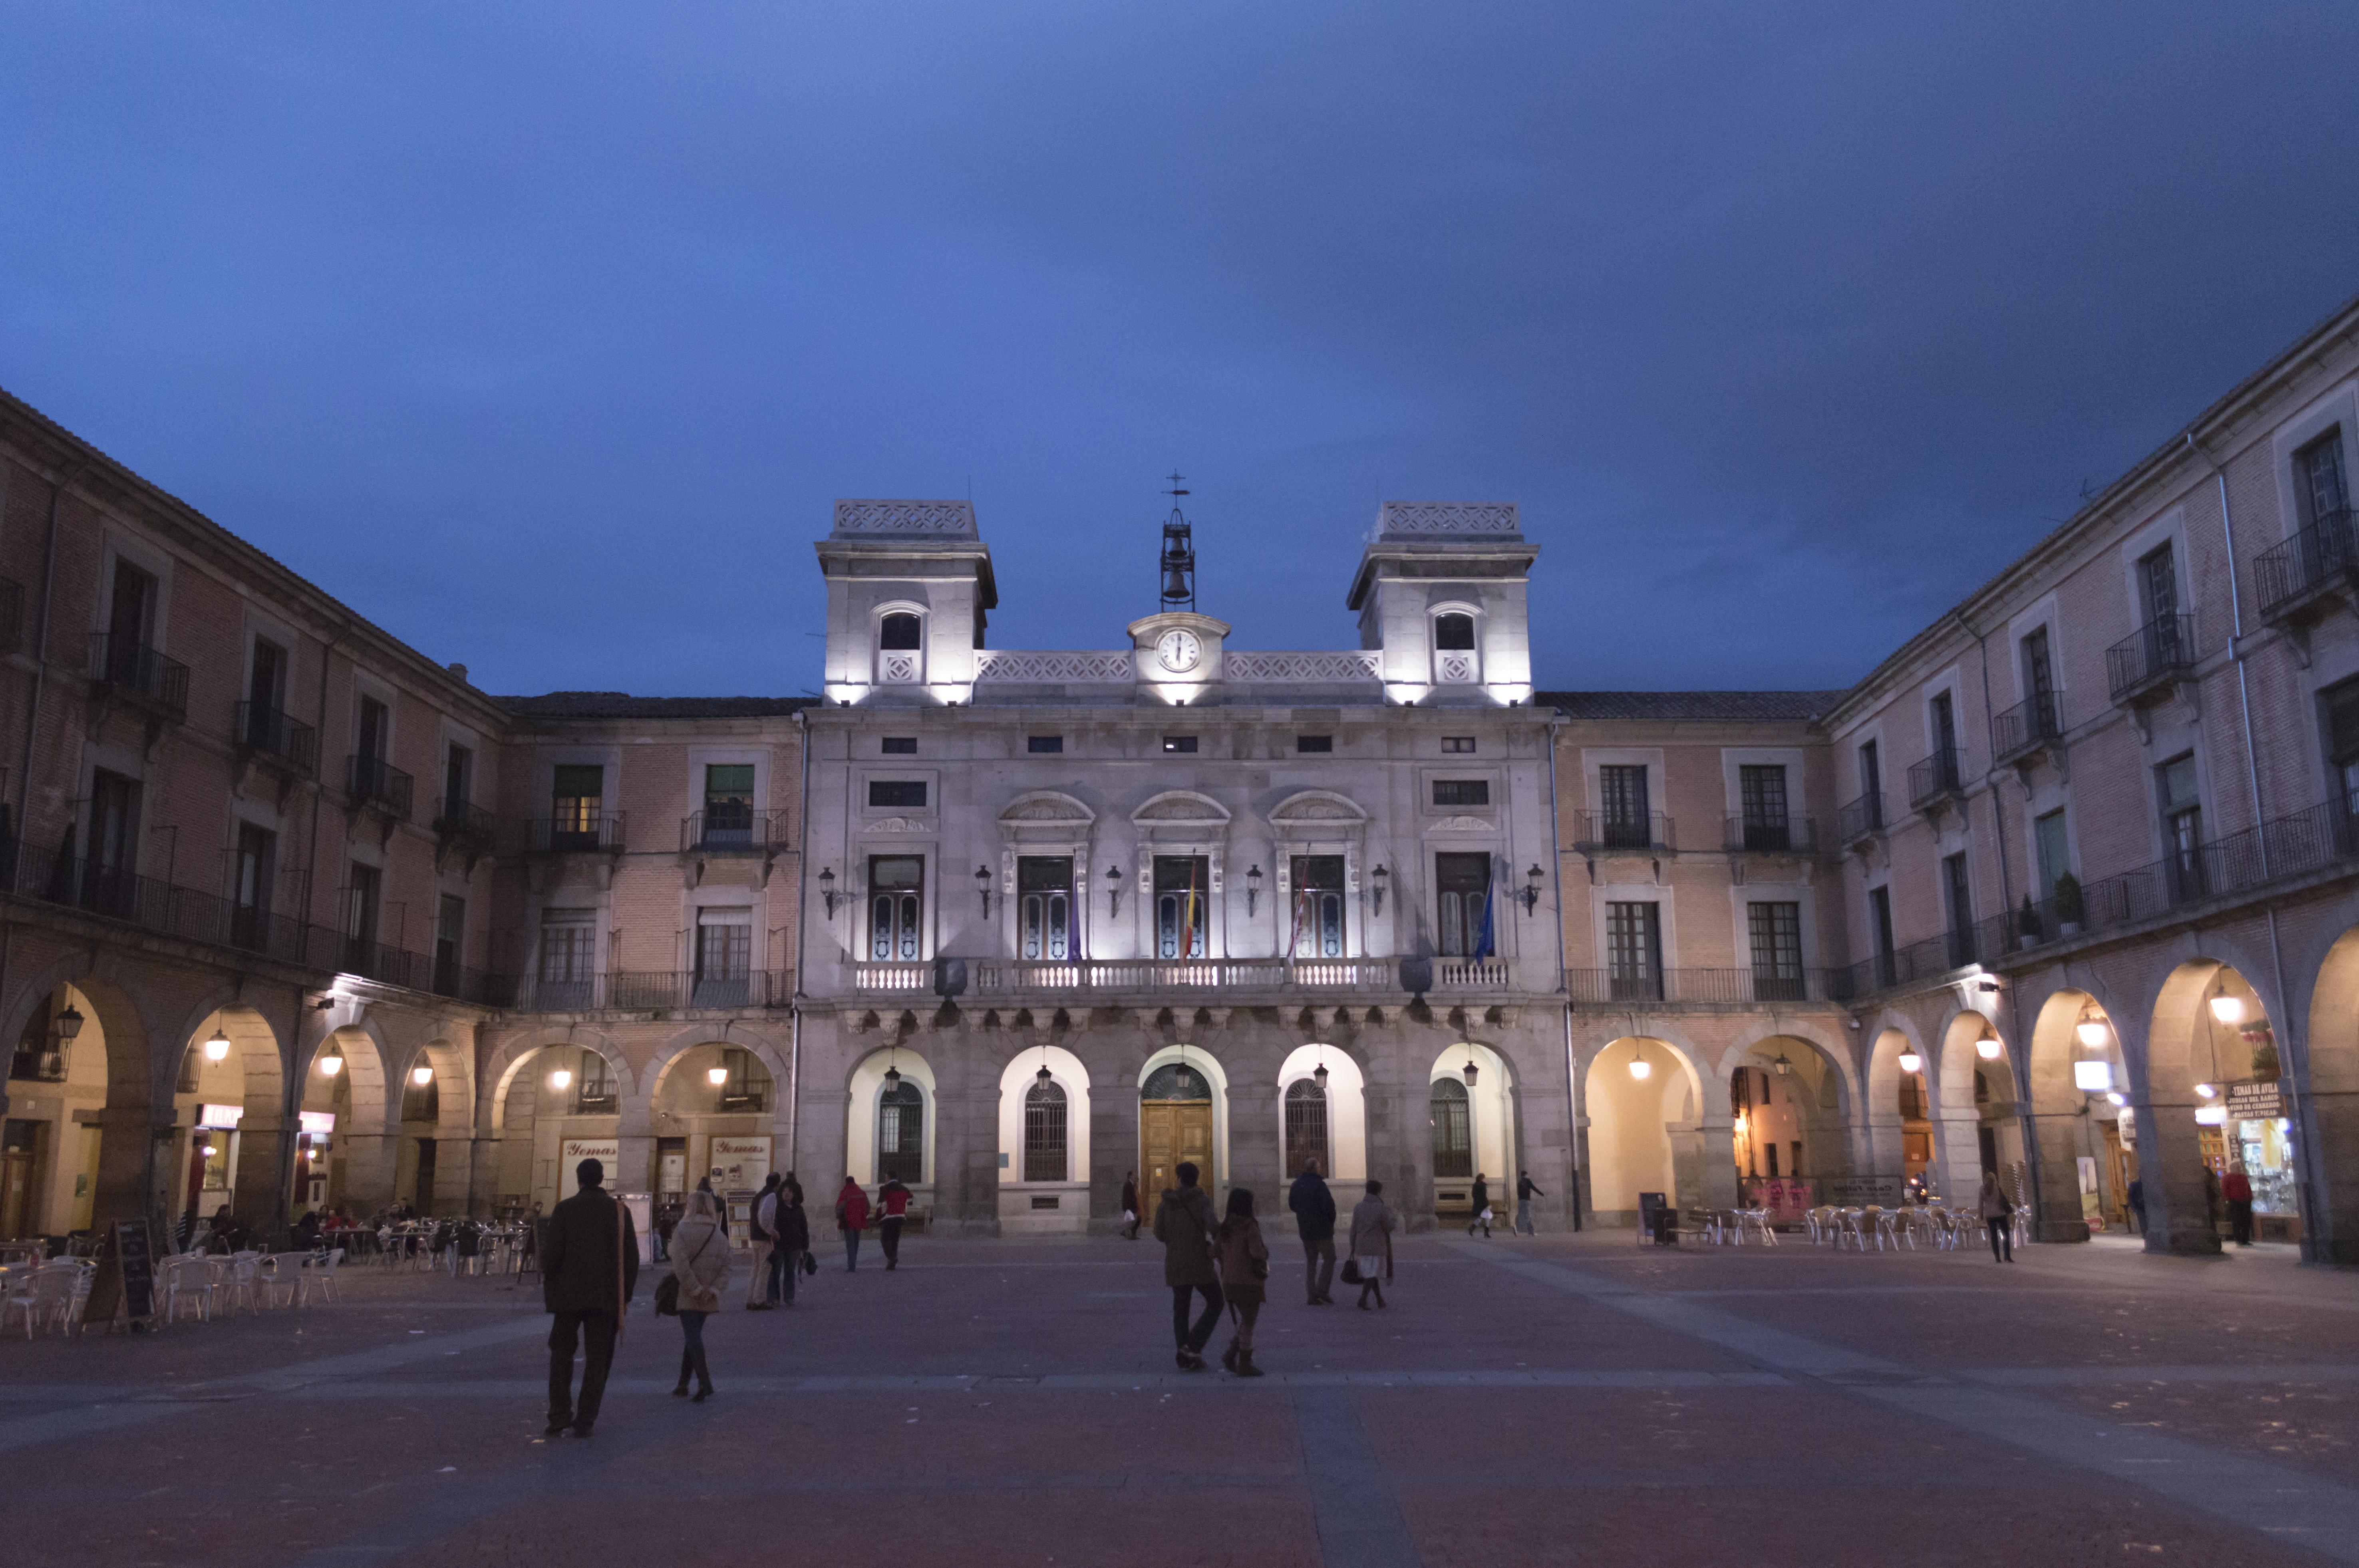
(2190,1049)
(1642,1131)
(864,1090)
(1046,805)
(1960,1112)
(137,1074)
(1216,1076)
(1065,1190)
(1180,807)
(500,1071)
(115,1059)
(1317,807)
(2330,1106)
(1496,1144)
(2058,1110)
(1814,1100)
(735,1035)
(1345,1096)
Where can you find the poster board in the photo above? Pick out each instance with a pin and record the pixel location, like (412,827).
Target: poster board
(738,1163)
(2255,1102)
(125,1281)
(571,1152)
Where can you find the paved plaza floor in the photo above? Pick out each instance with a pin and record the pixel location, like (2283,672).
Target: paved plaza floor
(1572,1399)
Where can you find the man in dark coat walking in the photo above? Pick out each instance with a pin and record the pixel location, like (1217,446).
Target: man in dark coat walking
(588,1272)
(1314,1220)
(1183,1223)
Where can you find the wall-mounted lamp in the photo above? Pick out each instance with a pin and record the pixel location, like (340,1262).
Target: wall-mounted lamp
(1114,890)
(2093,1077)
(2207,1091)
(2115,1096)
(1531,893)
(826,889)
(1252,889)
(1379,877)
(983,888)
(68,1024)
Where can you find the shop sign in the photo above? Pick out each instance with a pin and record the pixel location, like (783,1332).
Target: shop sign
(318,1123)
(1858,1192)
(739,1162)
(608,1151)
(2255,1102)
(1785,1198)
(220,1115)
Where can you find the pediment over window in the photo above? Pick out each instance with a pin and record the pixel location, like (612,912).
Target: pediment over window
(1321,807)
(1047,806)
(1182,805)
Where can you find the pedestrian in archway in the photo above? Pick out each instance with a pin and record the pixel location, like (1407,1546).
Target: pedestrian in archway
(1526,1191)
(588,1272)
(793,1241)
(1482,1205)
(1183,1223)
(892,1201)
(1130,1205)
(761,1290)
(1371,1246)
(700,1262)
(1998,1216)
(1314,1221)
(851,1218)
(1245,1270)
(2137,1203)
(2237,1188)
(2212,1192)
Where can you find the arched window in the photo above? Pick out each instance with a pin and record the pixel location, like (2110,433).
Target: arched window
(899,638)
(1453,1129)
(1455,661)
(1172,1081)
(1045,1159)
(901,1134)
(1306,1127)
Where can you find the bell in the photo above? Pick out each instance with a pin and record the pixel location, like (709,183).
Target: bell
(1175,580)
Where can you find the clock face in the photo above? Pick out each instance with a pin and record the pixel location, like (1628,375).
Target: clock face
(1178,650)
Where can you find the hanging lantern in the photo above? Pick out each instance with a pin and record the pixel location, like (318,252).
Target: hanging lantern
(333,1062)
(2091,1031)
(1640,1067)
(562,1079)
(1911,1062)
(2093,1077)
(1470,1070)
(422,1075)
(217,1048)
(1319,1073)
(2228,1008)
(893,1071)
(716,1075)
(68,1024)
(1990,1047)
(1784,1065)
(1044,1077)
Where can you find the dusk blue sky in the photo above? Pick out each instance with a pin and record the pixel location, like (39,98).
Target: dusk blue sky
(546,336)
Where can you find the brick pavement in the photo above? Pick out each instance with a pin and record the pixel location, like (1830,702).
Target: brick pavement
(1006,1402)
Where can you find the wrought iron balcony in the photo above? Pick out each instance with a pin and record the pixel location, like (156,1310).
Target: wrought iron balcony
(574,835)
(1937,780)
(1860,819)
(718,830)
(1703,988)
(373,782)
(656,991)
(2156,656)
(273,737)
(2321,562)
(1619,830)
(130,669)
(2026,729)
(1773,835)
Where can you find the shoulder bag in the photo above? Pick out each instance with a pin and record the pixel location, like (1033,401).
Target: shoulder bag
(668,1288)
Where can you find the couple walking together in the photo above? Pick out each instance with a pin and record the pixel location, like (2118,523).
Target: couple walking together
(1228,1262)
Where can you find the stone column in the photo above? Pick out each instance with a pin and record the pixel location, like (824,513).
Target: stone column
(966,1136)
(1958,1138)
(368,1172)
(2171,1173)
(1256,1137)
(2059,1137)
(266,1154)
(1113,1140)
(134,1167)
(1717,1134)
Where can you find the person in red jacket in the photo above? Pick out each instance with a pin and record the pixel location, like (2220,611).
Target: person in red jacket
(2237,1188)
(893,1198)
(851,1218)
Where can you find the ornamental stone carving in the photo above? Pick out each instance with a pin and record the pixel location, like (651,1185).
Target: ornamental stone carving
(1308,670)
(1004,666)
(903,517)
(1455,518)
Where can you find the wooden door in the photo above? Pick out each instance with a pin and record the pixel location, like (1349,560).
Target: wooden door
(1169,1132)
(16,1194)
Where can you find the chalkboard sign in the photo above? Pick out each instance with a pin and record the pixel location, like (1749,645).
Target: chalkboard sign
(126,1277)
